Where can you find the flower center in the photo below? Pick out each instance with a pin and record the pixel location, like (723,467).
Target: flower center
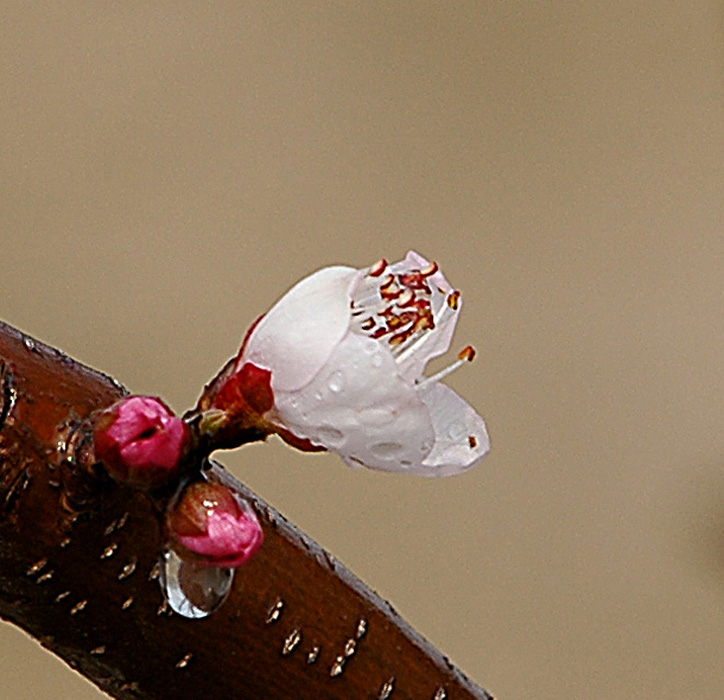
(402,307)
(398,305)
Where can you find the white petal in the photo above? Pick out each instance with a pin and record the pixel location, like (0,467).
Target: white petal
(296,337)
(461,438)
(359,407)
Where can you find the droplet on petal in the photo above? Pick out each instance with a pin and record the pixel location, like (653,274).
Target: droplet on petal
(191,589)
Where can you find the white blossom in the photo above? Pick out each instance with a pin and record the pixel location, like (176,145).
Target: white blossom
(347,349)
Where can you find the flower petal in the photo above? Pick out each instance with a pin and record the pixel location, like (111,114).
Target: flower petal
(360,407)
(298,334)
(461,438)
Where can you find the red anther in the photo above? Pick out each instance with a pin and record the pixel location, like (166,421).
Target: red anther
(415,280)
(378,268)
(472,441)
(389,281)
(430,270)
(394,322)
(406,298)
(423,323)
(368,324)
(407,317)
(390,296)
(422,305)
(453,301)
(467,353)
(400,337)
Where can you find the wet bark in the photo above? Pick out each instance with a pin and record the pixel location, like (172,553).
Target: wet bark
(78,571)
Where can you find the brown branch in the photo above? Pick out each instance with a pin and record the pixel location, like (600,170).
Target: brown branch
(77,572)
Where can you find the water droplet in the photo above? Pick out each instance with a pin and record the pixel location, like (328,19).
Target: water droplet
(337,667)
(361,630)
(370,346)
(46,576)
(275,611)
(163,608)
(29,343)
(98,651)
(329,558)
(35,568)
(336,382)
(128,569)
(109,551)
(193,590)
(155,571)
(386,690)
(318,395)
(62,596)
(386,449)
(291,642)
(127,603)
(350,647)
(64,543)
(111,528)
(330,437)
(122,521)
(313,654)
(78,607)
(440,694)
(185,661)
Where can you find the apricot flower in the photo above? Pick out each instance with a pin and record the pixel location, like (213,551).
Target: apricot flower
(338,364)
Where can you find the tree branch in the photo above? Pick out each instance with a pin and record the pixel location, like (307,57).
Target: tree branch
(78,568)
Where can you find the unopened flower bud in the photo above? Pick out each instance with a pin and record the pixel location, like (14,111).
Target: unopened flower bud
(213,525)
(140,441)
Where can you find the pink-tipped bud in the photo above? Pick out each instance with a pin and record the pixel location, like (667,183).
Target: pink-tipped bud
(216,527)
(140,441)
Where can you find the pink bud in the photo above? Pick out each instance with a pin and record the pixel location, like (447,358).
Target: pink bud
(140,441)
(213,524)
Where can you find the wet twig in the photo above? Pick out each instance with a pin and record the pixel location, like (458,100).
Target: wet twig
(78,570)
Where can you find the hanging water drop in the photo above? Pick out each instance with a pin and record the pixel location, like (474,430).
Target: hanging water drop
(193,590)
(361,630)
(387,688)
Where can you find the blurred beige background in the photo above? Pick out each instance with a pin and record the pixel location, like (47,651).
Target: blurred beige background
(169,169)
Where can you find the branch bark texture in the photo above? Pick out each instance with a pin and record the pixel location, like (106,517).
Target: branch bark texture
(78,571)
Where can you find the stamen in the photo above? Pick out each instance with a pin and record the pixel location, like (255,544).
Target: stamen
(430,270)
(472,441)
(453,301)
(378,268)
(406,298)
(467,354)
(401,307)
